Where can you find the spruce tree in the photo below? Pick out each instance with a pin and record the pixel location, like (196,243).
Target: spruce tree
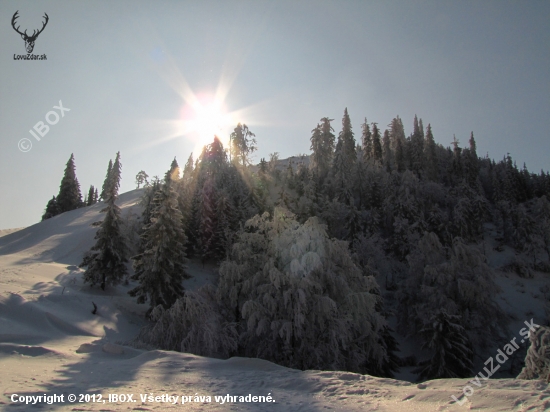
(106,262)
(52,209)
(327,139)
(386,151)
(174,170)
(106,182)
(366,140)
(315,160)
(69,197)
(452,352)
(348,139)
(417,147)
(430,158)
(472,163)
(340,173)
(456,165)
(188,169)
(400,156)
(161,267)
(376,144)
(91,196)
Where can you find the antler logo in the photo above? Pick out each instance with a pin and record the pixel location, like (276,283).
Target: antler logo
(29,40)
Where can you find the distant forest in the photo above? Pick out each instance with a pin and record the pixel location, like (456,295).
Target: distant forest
(317,252)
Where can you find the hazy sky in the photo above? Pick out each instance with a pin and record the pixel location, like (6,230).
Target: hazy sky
(130,71)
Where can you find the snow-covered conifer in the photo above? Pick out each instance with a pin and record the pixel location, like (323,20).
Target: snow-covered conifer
(106,262)
(161,267)
(451,349)
(304,302)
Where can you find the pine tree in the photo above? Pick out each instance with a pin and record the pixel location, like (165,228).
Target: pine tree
(106,182)
(141,178)
(96,196)
(161,267)
(52,209)
(69,197)
(106,262)
(452,351)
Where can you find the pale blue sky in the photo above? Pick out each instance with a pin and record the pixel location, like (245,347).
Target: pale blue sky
(125,67)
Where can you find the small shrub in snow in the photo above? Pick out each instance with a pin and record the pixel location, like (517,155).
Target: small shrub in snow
(537,361)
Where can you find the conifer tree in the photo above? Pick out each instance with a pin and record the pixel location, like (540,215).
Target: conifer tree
(106,182)
(348,139)
(452,351)
(472,163)
(376,144)
(417,148)
(161,267)
(327,142)
(386,152)
(91,196)
(69,197)
(322,146)
(430,159)
(301,299)
(96,196)
(188,169)
(174,170)
(52,209)
(366,140)
(141,178)
(106,262)
(456,166)
(400,161)
(340,173)
(242,144)
(397,133)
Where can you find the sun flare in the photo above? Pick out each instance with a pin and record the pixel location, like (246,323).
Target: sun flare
(205,118)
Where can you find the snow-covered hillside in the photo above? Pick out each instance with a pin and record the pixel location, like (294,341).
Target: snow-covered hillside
(51,343)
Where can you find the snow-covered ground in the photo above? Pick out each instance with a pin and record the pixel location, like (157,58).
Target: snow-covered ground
(51,343)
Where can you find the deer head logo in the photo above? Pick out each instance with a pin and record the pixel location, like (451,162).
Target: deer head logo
(29,40)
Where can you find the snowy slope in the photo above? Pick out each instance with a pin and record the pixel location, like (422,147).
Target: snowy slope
(51,343)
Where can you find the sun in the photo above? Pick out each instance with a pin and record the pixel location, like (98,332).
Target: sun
(205,118)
